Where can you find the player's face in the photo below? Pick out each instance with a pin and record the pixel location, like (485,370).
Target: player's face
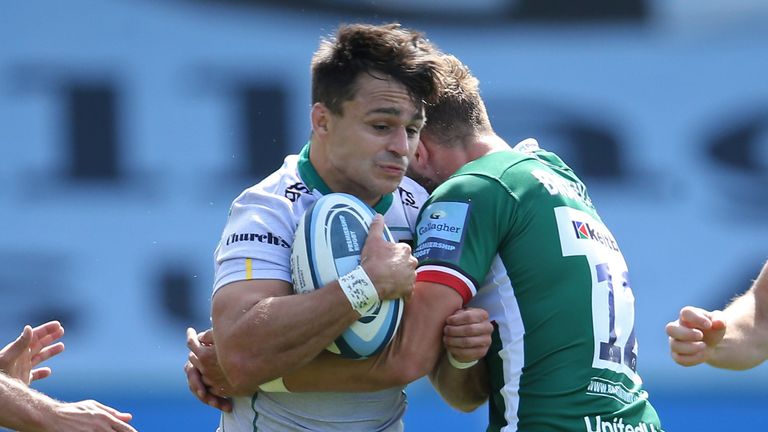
(368,146)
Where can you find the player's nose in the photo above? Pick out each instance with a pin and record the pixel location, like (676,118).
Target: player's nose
(399,143)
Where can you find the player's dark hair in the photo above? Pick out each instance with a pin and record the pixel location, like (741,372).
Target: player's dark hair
(459,112)
(378,50)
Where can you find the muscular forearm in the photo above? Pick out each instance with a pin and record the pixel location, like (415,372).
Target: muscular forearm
(412,353)
(463,389)
(401,362)
(745,343)
(22,408)
(276,335)
(331,373)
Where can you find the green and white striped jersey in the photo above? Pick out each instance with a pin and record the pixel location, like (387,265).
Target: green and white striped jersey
(515,233)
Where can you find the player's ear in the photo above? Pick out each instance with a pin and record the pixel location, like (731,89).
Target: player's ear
(320,117)
(421,156)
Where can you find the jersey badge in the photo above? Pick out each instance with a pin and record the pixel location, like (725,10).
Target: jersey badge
(440,231)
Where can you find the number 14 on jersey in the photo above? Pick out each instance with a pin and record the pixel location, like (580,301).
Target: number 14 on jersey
(613,303)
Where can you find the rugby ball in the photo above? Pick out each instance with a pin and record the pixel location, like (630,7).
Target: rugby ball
(327,245)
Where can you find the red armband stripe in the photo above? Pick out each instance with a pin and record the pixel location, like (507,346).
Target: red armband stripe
(448,277)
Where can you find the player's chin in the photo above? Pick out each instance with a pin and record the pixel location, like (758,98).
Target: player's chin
(387,184)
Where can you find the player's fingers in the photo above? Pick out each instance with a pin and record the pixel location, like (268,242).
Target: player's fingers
(40,373)
(47,353)
(212,385)
(220,403)
(465,352)
(195,382)
(206,337)
(45,334)
(194,360)
(225,404)
(192,340)
(203,392)
(683,333)
(407,254)
(457,318)
(413,262)
(197,374)
(689,359)
(122,427)
(694,317)
(686,348)
(51,327)
(206,356)
(51,330)
(217,390)
(112,411)
(118,425)
(467,342)
(213,401)
(484,328)
(467,316)
(459,330)
(194,345)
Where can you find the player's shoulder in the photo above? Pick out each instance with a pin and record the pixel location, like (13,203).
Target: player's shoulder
(282,185)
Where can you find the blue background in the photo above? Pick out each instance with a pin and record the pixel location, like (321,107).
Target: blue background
(664,115)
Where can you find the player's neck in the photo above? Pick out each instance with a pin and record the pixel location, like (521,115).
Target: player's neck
(486,144)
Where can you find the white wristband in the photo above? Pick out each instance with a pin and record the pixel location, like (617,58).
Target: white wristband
(460,365)
(275,386)
(359,289)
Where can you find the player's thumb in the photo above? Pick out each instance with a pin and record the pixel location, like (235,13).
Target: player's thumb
(21,343)
(718,321)
(716,331)
(206,337)
(377,227)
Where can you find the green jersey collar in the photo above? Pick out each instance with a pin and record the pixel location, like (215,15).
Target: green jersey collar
(384,203)
(313,181)
(309,175)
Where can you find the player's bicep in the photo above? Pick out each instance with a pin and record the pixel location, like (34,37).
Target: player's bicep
(433,301)
(420,336)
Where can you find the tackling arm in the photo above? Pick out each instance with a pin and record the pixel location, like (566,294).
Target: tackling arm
(412,353)
(464,384)
(463,389)
(262,332)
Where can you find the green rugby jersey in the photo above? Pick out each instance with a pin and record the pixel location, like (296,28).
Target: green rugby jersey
(515,233)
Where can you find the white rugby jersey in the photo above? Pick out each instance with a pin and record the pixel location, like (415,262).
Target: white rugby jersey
(256,244)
